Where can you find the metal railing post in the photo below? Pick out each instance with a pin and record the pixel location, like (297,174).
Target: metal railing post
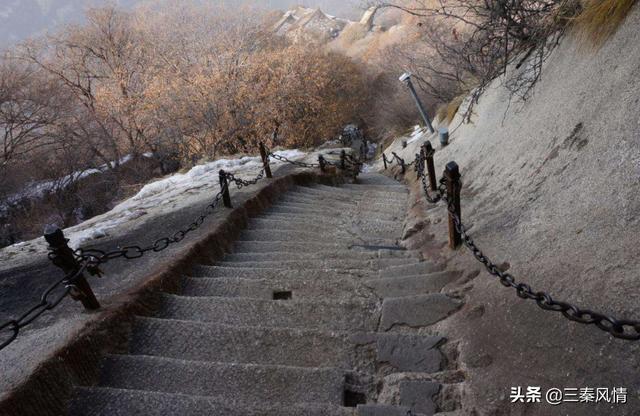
(401,161)
(265,160)
(63,256)
(452,176)
(431,170)
(384,160)
(322,163)
(224,185)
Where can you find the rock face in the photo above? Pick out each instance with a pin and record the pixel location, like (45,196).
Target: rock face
(550,190)
(292,326)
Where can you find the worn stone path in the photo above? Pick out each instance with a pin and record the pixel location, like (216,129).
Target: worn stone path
(316,312)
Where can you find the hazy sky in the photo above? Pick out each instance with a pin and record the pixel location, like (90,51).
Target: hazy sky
(20,19)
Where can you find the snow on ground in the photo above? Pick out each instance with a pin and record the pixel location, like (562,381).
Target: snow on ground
(172,193)
(417,133)
(159,197)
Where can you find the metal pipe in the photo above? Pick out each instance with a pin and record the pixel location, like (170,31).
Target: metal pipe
(406,78)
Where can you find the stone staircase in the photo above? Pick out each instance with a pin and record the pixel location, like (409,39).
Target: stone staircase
(314,313)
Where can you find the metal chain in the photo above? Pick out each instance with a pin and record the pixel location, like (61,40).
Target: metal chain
(12,327)
(293,162)
(618,328)
(95,256)
(241,183)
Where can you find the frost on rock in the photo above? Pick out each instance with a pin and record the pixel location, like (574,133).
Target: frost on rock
(170,194)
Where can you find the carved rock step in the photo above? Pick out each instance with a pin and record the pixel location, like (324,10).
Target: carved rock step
(361,351)
(395,256)
(319,211)
(314,203)
(421,268)
(101,401)
(200,341)
(327,222)
(267,289)
(343,200)
(305,264)
(281,273)
(375,179)
(325,315)
(270,246)
(264,259)
(393,287)
(294,235)
(248,383)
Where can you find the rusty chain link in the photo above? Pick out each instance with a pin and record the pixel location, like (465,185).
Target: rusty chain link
(293,162)
(241,183)
(618,328)
(12,327)
(96,257)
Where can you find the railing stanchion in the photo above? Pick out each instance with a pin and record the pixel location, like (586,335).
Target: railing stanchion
(63,256)
(322,163)
(224,185)
(452,177)
(431,170)
(265,160)
(384,160)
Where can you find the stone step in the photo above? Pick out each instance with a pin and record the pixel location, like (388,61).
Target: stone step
(375,179)
(199,341)
(270,246)
(296,235)
(364,189)
(102,401)
(329,223)
(270,289)
(303,264)
(319,211)
(357,229)
(281,273)
(417,311)
(247,383)
(378,189)
(415,269)
(393,287)
(322,315)
(338,205)
(372,256)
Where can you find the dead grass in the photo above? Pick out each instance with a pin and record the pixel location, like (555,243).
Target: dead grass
(600,19)
(447,112)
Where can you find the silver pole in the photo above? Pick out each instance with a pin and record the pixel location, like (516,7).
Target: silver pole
(406,78)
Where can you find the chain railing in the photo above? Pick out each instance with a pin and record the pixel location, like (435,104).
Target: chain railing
(448,191)
(76,262)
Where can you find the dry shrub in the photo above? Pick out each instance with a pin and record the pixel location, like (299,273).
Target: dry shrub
(600,19)
(446,112)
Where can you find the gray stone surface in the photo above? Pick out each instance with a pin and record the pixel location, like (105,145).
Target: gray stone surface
(412,285)
(409,352)
(417,311)
(411,269)
(94,401)
(248,383)
(327,315)
(281,273)
(301,289)
(418,395)
(198,341)
(382,410)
